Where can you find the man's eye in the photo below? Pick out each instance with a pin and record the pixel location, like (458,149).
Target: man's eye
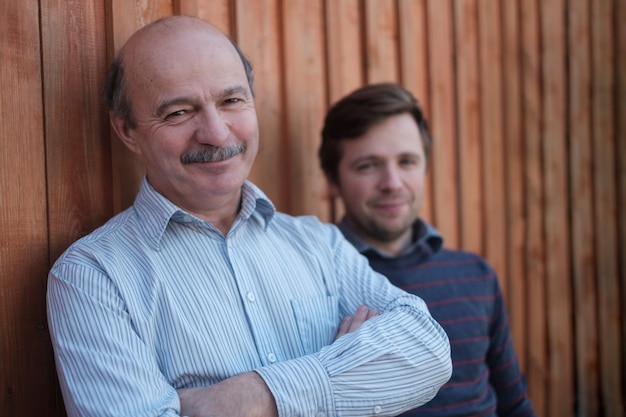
(177,113)
(232,100)
(365,166)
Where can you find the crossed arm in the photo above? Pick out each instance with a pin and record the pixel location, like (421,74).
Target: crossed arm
(247,395)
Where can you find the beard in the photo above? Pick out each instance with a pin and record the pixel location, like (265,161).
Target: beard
(380,230)
(212,154)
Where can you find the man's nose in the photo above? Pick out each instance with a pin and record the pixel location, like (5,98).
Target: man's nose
(212,128)
(390,178)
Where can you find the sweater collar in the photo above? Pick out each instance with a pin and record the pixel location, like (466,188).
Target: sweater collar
(426,240)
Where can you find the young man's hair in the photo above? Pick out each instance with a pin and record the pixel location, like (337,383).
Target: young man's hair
(357,112)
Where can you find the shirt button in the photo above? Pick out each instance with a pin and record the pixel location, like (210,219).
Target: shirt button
(378,409)
(271,357)
(250,296)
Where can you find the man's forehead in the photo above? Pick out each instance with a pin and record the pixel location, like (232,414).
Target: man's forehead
(164,34)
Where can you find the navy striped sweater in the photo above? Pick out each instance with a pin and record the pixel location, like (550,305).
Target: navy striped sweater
(463,295)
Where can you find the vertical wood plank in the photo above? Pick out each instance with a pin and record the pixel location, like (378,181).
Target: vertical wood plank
(514,163)
(27,377)
(123,18)
(537,360)
(620,137)
(560,341)
(258,35)
(472,228)
(492,137)
(581,206)
(217,12)
(185,7)
(343,48)
(605,221)
(305,93)
(443,121)
(414,76)
(381,41)
(78,153)
(344,56)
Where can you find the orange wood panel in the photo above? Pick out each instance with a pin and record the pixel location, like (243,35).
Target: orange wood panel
(536,355)
(185,7)
(78,152)
(493,137)
(27,377)
(258,35)
(513,160)
(620,137)
(470,150)
(343,48)
(560,338)
(581,184)
(381,41)
(413,55)
(603,133)
(443,122)
(123,18)
(344,54)
(217,12)
(305,94)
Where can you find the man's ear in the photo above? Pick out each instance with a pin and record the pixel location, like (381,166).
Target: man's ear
(124,132)
(333,190)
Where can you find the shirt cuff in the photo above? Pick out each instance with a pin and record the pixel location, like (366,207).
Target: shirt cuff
(300,386)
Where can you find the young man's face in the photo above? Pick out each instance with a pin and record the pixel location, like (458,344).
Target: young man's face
(381,180)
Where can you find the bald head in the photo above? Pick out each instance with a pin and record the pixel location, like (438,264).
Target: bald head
(167,41)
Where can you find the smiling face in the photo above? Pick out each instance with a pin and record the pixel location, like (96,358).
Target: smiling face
(196,127)
(381,179)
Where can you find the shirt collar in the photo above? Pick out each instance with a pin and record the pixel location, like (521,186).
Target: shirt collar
(426,239)
(155,211)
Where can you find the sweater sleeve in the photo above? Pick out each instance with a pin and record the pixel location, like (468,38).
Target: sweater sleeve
(505,375)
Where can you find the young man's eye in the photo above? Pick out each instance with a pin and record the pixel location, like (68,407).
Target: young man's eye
(364,167)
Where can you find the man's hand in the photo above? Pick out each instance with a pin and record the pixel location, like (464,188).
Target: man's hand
(244,395)
(351,324)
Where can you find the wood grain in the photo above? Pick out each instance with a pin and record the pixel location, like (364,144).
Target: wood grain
(443,121)
(554,149)
(605,199)
(581,180)
(515,274)
(537,353)
(472,227)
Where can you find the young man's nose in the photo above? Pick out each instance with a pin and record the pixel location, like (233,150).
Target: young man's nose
(390,178)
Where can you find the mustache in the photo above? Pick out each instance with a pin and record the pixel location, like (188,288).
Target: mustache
(212,154)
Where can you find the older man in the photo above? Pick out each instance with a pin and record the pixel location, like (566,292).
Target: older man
(201,299)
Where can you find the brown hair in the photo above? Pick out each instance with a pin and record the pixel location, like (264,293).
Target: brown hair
(357,112)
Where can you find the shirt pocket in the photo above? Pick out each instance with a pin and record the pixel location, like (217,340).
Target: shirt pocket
(317,321)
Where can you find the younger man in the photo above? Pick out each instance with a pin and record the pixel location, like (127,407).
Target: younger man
(374,153)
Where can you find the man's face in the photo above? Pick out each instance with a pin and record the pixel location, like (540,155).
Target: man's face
(382,179)
(189,94)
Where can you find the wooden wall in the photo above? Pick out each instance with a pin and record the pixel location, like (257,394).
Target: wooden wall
(526,99)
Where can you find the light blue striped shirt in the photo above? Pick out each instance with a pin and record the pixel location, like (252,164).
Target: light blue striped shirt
(157,299)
